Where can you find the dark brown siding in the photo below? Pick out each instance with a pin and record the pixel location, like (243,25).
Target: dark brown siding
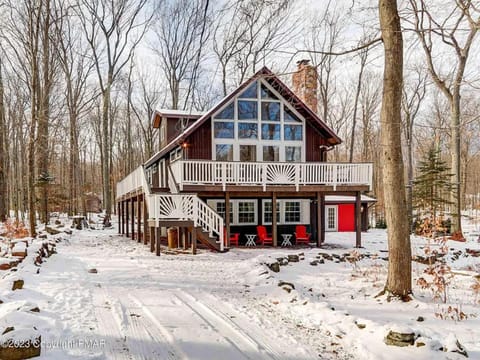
(312,144)
(200,142)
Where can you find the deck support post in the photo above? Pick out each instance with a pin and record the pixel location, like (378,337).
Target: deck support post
(226,241)
(194,240)
(321,203)
(358,220)
(132,221)
(139,218)
(122,205)
(274,219)
(145,220)
(119,218)
(157,241)
(127,217)
(152,239)
(319,219)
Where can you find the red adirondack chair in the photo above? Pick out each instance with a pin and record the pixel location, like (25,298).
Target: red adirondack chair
(234,237)
(264,238)
(301,235)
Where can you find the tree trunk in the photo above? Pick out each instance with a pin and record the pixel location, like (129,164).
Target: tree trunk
(106,144)
(3,163)
(456,163)
(399,283)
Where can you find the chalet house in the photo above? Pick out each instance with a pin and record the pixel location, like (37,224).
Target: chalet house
(262,150)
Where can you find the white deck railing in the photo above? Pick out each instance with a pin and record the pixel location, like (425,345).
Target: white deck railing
(175,206)
(204,172)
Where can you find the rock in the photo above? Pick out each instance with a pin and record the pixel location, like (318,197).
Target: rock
(282,283)
(52,231)
(293,258)
(360,326)
(420,319)
(8,329)
(42,236)
(274,266)
(67,231)
(30,348)
(282,261)
(92,271)
(17,285)
(35,309)
(314,262)
(453,345)
(419,344)
(394,338)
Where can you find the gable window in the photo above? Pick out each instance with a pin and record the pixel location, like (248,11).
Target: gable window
(267,93)
(247,130)
(224,130)
(247,110)
(293,132)
(224,152)
(250,92)
(270,111)
(270,132)
(258,125)
(228,113)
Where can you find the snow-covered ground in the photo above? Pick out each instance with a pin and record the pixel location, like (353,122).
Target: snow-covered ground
(230,306)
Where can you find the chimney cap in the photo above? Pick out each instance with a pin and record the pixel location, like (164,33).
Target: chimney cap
(303,62)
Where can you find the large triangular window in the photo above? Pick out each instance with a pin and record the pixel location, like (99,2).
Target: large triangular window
(267,94)
(250,92)
(227,113)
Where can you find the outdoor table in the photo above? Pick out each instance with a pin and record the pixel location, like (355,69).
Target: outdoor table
(286,239)
(250,239)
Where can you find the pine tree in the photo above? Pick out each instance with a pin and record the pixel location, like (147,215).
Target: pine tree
(432,186)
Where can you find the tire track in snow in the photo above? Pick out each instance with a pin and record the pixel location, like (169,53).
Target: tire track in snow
(237,335)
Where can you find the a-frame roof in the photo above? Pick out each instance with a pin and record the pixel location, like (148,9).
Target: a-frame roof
(282,89)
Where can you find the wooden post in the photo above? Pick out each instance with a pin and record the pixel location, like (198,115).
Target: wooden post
(132,223)
(152,239)
(274,218)
(139,218)
(227,219)
(127,217)
(322,217)
(145,221)
(320,225)
(358,220)
(119,218)
(157,241)
(123,216)
(194,240)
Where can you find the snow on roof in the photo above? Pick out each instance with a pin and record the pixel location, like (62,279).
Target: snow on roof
(347,199)
(170,112)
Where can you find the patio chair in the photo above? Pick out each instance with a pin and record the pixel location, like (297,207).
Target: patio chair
(234,237)
(301,235)
(263,236)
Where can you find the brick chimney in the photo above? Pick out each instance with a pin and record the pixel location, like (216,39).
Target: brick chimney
(305,84)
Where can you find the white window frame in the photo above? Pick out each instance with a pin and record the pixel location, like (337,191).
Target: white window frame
(234,206)
(335,208)
(304,211)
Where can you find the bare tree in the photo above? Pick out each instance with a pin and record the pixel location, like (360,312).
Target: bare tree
(76,67)
(464,14)
(399,280)
(249,32)
(412,97)
(182,27)
(3,152)
(113,30)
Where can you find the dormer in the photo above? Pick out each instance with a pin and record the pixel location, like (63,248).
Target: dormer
(172,123)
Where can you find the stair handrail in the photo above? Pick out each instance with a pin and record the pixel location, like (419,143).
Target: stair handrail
(208,219)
